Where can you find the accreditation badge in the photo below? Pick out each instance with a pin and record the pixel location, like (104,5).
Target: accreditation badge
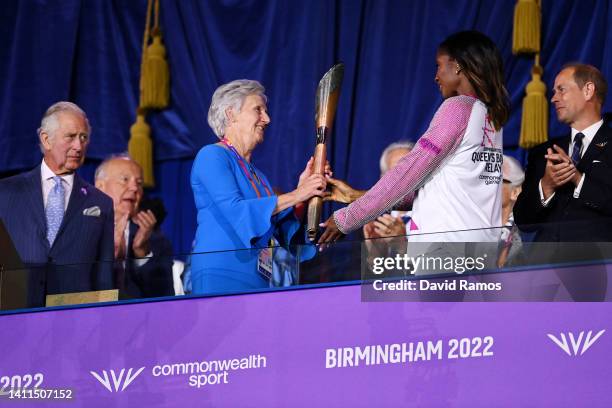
(264,263)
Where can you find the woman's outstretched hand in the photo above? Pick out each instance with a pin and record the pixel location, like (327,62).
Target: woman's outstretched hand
(331,233)
(341,192)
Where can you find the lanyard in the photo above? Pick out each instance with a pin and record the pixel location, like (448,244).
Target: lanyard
(250,173)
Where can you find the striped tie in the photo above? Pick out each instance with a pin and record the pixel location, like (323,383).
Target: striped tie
(577,148)
(55,209)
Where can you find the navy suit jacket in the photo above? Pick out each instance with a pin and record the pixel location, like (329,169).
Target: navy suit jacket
(569,219)
(154,278)
(82,253)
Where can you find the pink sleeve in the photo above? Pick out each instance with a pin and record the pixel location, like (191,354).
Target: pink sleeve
(405,203)
(399,184)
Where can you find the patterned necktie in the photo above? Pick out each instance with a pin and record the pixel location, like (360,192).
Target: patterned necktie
(577,148)
(55,209)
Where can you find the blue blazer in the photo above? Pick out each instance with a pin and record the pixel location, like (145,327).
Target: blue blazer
(82,253)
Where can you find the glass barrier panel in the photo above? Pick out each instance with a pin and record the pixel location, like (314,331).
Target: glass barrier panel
(15,289)
(510,265)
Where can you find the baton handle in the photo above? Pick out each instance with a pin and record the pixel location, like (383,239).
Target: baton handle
(315,204)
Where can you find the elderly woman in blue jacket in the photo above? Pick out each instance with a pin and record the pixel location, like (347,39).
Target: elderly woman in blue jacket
(238,213)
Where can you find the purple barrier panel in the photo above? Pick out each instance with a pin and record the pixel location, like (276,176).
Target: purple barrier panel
(310,348)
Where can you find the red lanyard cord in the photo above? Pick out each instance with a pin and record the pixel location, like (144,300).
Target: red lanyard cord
(250,173)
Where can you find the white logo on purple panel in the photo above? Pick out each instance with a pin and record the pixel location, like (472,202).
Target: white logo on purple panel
(579,344)
(119,383)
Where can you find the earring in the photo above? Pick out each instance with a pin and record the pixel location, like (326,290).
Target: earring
(458,69)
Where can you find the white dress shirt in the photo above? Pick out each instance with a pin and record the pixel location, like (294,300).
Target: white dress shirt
(46,176)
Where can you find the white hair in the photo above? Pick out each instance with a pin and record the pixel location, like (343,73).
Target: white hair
(513,171)
(231,95)
(49,123)
(101,170)
(402,144)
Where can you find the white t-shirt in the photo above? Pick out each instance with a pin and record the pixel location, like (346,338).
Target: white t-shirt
(462,197)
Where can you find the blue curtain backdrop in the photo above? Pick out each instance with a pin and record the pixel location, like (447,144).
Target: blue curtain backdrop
(88,51)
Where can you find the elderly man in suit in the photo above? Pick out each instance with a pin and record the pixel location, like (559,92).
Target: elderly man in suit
(568,184)
(62,227)
(144,255)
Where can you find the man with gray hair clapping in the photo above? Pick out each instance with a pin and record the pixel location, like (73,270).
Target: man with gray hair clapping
(144,255)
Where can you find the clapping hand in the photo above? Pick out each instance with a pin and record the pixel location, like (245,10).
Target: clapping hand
(121,220)
(389,226)
(559,171)
(146,223)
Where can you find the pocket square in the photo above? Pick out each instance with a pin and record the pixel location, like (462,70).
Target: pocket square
(92,211)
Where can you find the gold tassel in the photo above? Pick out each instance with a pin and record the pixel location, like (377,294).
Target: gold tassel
(534,122)
(526,32)
(140,147)
(155,78)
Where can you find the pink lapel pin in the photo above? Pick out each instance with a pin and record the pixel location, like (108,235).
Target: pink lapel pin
(84,191)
